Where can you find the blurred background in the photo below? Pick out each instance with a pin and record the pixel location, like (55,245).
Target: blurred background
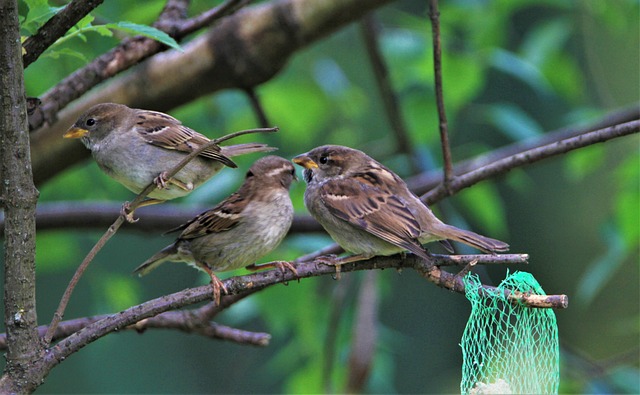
(513,71)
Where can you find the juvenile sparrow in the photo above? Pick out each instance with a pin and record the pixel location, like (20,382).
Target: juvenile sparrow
(369,210)
(242,228)
(136,147)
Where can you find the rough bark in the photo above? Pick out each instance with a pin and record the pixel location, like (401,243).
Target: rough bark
(19,198)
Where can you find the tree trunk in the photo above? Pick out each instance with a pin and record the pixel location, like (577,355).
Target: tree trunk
(19,196)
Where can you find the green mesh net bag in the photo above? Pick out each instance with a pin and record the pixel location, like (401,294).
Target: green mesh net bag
(508,348)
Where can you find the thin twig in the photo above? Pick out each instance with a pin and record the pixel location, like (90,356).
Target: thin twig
(363,335)
(455,283)
(76,215)
(208,17)
(258,108)
(389,98)
(530,156)
(57,316)
(434,14)
(338,301)
(190,319)
(424,182)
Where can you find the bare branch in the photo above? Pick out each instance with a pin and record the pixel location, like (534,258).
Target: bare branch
(76,215)
(55,28)
(424,182)
(530,156)
(258,108)
(364,335)
(212,15)
(434,14)
(455,283)
(389,98)
(181,320)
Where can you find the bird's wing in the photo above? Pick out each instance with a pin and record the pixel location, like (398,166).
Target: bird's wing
(364,201)
(167,132)
(221,218)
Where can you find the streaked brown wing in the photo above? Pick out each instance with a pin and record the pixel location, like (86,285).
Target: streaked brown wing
(167,132)
(374,209)
(222,217)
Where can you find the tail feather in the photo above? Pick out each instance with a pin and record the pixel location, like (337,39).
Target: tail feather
(248,148)
(483,243)
(164,255)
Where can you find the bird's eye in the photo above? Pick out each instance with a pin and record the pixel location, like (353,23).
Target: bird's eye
(249,174)
(91,122)
(324,160)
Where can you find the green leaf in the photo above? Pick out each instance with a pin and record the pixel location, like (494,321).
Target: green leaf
(56,252)
(102,30)
(484,206)
(513,122)
(520,68)
(627,207)
(84,22)
(39,12)
(118,291)
(56,54)
(585,161)
(546,41)
(565,77)
(463,79)
(147,31)
(603,269)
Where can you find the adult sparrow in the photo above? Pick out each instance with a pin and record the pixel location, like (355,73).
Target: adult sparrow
(242,228)
(137,147)
(369,210)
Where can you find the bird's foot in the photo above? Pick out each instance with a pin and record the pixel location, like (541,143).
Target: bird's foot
(218,288)
(161,180)
(127,213)
(283,266)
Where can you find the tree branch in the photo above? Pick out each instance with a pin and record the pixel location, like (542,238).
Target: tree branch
(261,280)
(258,281)
(181,320)
(389,98)
(434,14)
(422,183)
(55,28)
(530,156)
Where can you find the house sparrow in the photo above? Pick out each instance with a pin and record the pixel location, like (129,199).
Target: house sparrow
(369,210)
(137,147)
(242,228)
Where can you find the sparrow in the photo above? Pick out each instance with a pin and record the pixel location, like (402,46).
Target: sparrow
(245,226)
(369,210)
(137,147)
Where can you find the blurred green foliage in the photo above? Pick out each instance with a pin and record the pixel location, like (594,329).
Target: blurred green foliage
(513,70)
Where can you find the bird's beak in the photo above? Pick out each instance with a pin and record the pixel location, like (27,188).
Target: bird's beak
(304,161)
(75,132)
